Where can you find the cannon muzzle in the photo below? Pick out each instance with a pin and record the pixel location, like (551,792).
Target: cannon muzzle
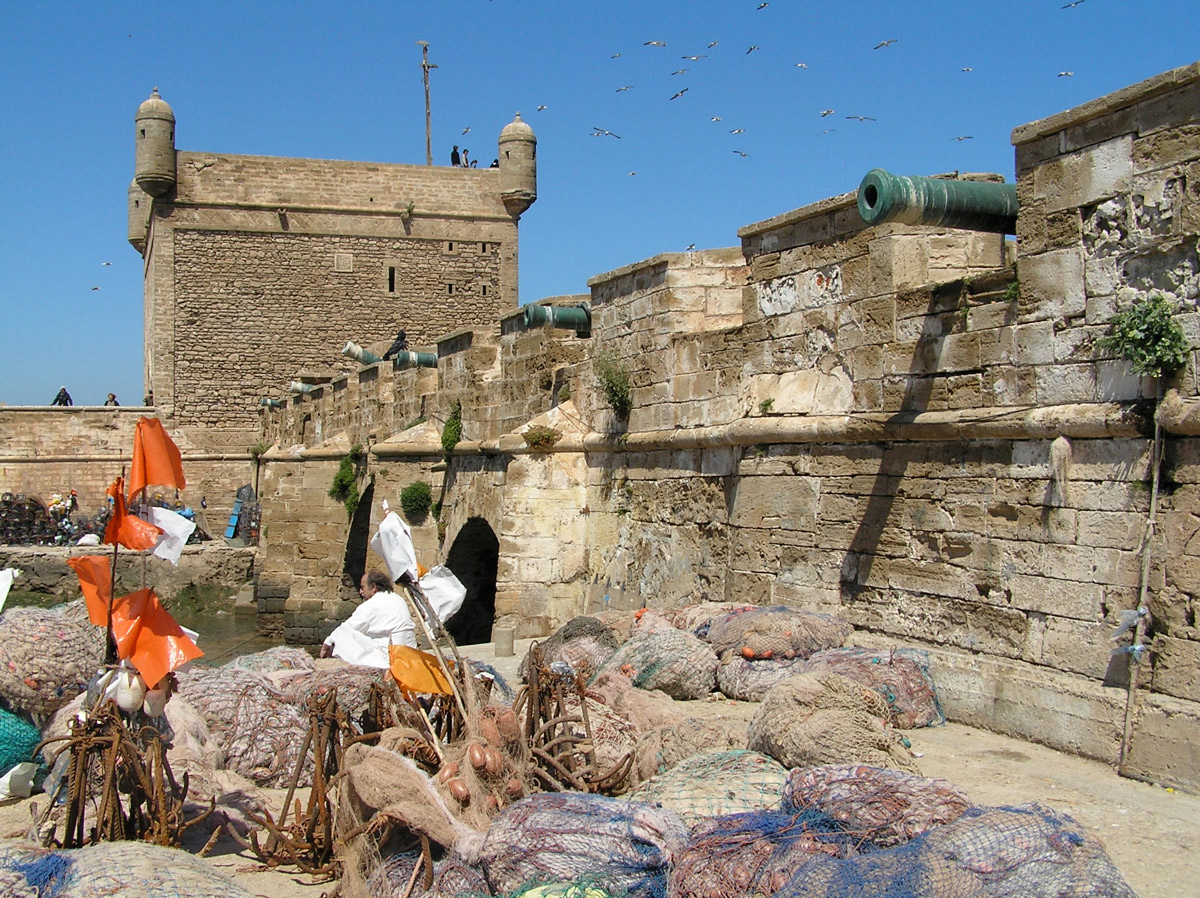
(406,359)
(363,356)
(576,318)
(971,205)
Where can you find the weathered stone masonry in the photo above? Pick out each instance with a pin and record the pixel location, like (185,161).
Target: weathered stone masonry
(846,419)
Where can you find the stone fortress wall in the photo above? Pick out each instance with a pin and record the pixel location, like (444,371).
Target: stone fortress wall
(838,417)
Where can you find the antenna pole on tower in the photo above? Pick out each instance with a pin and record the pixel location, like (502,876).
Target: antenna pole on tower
(426,65)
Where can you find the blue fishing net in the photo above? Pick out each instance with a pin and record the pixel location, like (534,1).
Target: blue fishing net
(18,739)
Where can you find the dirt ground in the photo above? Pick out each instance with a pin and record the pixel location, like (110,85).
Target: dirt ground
(1150,832)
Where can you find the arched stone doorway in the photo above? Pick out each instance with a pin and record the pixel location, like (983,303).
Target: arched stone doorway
(473,558)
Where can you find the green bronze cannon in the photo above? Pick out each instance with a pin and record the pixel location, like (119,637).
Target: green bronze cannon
(971,205)
(576,318)
(406,359)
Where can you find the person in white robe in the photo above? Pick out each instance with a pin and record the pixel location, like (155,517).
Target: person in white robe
(382,619)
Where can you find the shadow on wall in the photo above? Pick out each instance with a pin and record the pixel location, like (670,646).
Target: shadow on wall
(473,558)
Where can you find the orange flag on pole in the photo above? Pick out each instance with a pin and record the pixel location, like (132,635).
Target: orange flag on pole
(95,579)
(416,671)
(156,458)
(149,637)
(128,530)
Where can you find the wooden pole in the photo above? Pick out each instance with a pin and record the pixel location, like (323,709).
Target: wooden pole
(426,65)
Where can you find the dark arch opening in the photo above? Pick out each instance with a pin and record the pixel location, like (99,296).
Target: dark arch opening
(354,562)
(473,558)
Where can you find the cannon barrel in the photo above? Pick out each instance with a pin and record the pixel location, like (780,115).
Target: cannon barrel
(406,359)
(971,205)
(356,352)
(301,388)
(576,318)
(268,402)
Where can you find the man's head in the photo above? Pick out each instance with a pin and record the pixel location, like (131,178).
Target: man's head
(373,582)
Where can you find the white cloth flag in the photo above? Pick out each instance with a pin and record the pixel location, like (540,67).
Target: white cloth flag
(444,591)
(176,530)
(393,543)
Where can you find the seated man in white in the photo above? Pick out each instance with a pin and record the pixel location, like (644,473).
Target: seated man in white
(382,619)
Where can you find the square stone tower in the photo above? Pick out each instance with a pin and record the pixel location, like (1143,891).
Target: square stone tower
(258,267)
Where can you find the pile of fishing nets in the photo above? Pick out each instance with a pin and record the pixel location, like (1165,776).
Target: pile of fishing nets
(778,632)
(748,681)
(280,657)
(621,847)
(900,675)
(107,869)
(641,707)
(697,619)
(813,719)
(18,739)
(885,807)
(660,749)
(260,731)
(582,642)
(45,660)
(681,665)
(714,784)
(353,685)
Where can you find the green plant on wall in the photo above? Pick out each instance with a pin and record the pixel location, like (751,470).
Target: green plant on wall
(452,430)
(612,376)
(541,439)
(416,500)
(764,407)
(1148,337)
(345,481)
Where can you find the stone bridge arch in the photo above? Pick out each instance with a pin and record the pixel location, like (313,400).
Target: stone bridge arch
(474,557)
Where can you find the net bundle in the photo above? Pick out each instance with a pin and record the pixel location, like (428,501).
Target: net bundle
(813,719)
(660,749)
(748,681)
(714,784)
(900,675)
(453,877)
(752,853)
(641,707)
(280,657)
(582,642)
(1028,851)
(45,660)
(622,847)
(885,807)
(698,619)
(18,739)
(260,731)
(777,632)
(353,685)
(681,665)
(77,613)
(109,868)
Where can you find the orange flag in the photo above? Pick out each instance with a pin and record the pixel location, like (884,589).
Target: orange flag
(156,459)
(95,579)
(149,636)
(128,530)
(416,671)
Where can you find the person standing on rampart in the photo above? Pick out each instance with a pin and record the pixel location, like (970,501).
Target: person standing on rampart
(62,397)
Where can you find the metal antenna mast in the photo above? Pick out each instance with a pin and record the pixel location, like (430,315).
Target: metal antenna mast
(426,65)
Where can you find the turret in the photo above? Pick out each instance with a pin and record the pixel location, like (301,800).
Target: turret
(139,216)
(155,159)
(518,166)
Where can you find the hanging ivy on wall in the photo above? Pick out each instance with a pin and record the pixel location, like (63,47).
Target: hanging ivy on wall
(452,431)
(345,481)
(1148,337)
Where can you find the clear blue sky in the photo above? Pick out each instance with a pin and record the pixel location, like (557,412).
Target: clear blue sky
(342,80)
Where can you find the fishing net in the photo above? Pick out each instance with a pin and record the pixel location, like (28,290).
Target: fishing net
(259,730)
(698,619)
(453,877)
(498,691)
(641,707)
(900,675)
(813,719)
(779,632)
(885,807)
(18,738)
(107,869)
(353,685)
(714,784)
(45,660)
(1029,851)
(625,848)
(613,737)
(661,749)
(77,613)
(753,853)
(749,681)
(582,642)
(280,657)
(681,665)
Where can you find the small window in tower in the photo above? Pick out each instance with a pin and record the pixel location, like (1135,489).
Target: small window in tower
(143,133)
(483,247)
(449,247)
(391,279)
(485,289)
(449,288)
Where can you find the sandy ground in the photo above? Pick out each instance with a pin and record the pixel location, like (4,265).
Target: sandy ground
(1151,833)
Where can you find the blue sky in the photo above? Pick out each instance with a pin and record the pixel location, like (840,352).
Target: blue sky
(343,80)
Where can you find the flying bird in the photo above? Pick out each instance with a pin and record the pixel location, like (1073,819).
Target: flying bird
(680,94)
(885,43)
(95,288)
(738,131)
(466,129)
(600,132)
(753,48)
(965,137)
(829,130)
(763,6)
(825,112)
(694,58)
(615,56)
(1065,74)
(679,72)
(713,44)
(655,44)
(632,173)
(802,65)
(626,87)
(740,153)
(1072,5)
(540,108)
(690,247)
(968,69)
(861,118)
(106,263)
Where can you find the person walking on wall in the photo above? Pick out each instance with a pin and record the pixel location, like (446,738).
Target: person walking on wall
(455,159)
(111,400)
(62,397)
(466,162)
(380,621)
